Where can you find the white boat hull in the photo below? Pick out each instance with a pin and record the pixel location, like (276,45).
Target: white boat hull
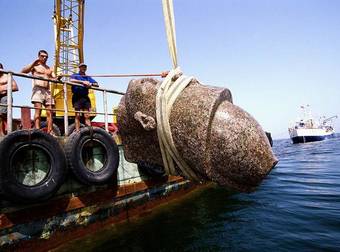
(301,135)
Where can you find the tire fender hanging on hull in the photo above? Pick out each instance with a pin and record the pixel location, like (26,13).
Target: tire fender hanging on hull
(92,155)
(33,166)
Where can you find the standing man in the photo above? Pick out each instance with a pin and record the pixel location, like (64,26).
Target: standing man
(41,93)
(3,99)
(80,97)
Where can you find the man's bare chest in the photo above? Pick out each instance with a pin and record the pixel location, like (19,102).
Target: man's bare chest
(41,70)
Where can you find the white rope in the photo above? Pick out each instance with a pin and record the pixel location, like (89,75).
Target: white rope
(169,19)
(166,96)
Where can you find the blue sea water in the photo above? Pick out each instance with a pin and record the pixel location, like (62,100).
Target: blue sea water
(296,208)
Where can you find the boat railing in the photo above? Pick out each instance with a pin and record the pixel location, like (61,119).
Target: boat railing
(66,110)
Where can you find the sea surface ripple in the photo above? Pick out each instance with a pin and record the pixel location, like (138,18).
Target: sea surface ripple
(297,207)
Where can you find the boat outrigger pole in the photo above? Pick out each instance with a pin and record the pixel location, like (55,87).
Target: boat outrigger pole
(329,119)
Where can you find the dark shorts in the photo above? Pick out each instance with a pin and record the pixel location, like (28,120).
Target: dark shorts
(81,102)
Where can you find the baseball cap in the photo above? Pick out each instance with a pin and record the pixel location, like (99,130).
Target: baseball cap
(82,64)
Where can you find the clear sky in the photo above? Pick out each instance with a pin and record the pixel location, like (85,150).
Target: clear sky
(274,55)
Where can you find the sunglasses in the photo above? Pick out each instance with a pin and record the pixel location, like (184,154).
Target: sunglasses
(43,56)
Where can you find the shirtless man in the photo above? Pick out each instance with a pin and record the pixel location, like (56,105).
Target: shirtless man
(41,94)
(3,98)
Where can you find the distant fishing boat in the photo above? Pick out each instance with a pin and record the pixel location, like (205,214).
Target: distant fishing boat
(306,129)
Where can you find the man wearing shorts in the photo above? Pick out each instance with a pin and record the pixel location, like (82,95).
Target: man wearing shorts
(3,99)
(41,94)
(80,97)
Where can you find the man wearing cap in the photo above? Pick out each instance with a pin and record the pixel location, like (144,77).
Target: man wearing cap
(80,97)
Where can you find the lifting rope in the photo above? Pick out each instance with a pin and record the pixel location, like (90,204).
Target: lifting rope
(168,12)
(171,87)
(166,96)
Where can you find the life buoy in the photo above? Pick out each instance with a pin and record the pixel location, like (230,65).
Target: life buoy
(33,166)
(92,155)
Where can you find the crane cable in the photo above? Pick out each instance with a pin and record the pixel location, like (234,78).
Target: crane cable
(171,87)
(168,13)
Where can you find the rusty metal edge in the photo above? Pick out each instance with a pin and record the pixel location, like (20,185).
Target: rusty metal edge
(93,217)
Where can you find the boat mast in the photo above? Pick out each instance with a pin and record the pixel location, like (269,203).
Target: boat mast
(69,34)
(68,18)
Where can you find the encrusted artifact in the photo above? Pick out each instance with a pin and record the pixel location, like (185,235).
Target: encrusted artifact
(218,140)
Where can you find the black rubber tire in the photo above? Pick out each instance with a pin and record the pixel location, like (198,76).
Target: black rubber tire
(55,128)
(74,149)
(72,128)
(28,140)
(151,170)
